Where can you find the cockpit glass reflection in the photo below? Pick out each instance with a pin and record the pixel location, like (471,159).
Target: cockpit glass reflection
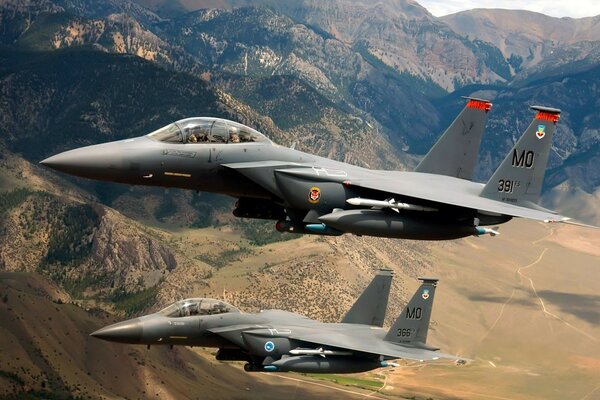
(207,130)
(170,134)
(190,307)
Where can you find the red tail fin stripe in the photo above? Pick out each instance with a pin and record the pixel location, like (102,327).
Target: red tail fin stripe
(548,116)
(482,105)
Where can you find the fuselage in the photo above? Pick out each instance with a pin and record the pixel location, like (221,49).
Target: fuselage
(196,330)
(281,341)
(304,192)
(195,166)
(265,340)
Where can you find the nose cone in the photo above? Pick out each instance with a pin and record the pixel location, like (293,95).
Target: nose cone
(122,332)
(102,161)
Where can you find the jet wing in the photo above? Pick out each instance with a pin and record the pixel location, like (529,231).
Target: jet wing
(356,342)
(446,190)
(429,187)
(452,191)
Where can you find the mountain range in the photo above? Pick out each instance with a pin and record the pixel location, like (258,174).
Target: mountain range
(389,68)
(370,83)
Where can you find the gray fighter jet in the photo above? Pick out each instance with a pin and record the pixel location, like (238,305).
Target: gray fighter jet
(315,195)
(281,341)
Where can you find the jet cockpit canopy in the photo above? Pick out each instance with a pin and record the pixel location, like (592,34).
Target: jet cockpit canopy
(207,130)
(198,306)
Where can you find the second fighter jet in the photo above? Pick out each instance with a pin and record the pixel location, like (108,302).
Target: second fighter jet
(281,341)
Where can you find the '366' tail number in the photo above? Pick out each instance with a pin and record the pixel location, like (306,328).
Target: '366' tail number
(507,185)
(404,332)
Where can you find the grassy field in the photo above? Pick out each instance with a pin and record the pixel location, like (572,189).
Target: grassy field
(364,383)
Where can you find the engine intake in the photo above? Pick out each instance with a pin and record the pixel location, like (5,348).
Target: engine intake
(258,208)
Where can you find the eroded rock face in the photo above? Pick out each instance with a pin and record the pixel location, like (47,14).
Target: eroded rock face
(404,36)
(118,33)
(129,257)
(16,16)
(532,42)
(89,249)
(127,254)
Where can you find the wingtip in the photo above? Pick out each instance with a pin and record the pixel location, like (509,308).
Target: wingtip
(545,109)
(577,223)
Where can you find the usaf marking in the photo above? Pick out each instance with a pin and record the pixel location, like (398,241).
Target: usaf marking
(179,153)
(329,172)
(508,185)
(524,160)
(414,313)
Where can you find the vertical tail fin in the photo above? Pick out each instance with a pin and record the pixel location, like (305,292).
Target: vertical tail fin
(370,307)
(411,327)
(518,180)
(455,153)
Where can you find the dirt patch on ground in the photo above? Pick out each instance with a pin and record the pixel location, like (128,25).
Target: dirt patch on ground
(592,364)
(577,238)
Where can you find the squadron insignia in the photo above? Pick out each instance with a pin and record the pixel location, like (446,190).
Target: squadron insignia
(541,131)
(425,294)
(314,195)
(269,346)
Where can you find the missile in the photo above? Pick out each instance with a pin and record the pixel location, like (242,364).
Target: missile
(319,229)
(322,229)
(319,352)
(479,230)
(389,364)
(393,204)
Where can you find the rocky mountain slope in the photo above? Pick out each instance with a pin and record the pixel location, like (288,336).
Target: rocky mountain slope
(527,42)
(328,59)
(94,253)
(533,43)
(47,353)
(104,97)
(534,61)
(198,45)
(80,72)
(406,38)
(401,34)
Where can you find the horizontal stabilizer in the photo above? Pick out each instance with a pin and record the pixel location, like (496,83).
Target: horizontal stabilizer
(407,184)
(577,223)
(385,348)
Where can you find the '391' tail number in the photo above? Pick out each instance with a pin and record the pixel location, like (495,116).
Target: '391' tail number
(507,185)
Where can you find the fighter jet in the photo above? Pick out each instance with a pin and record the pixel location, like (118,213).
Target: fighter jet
(305,193)
(281,341)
